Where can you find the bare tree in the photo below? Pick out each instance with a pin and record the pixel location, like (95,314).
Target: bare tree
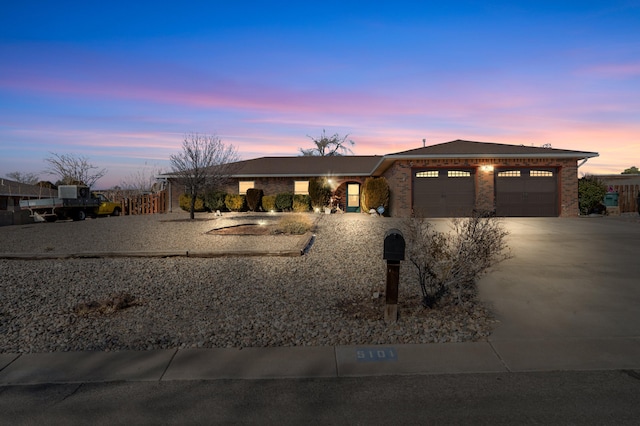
(327,146)
(143,180)
(73,170)
(450,262)
(205,162)
(27,178)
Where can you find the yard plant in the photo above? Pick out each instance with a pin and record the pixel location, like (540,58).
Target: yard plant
(448,263)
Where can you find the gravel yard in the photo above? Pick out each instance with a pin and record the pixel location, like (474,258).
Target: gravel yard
(324,297)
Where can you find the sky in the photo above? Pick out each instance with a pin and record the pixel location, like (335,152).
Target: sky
(122,83)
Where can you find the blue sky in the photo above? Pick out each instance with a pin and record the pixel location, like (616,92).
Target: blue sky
(122,82)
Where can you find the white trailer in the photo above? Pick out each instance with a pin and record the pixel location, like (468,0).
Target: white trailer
(73,202)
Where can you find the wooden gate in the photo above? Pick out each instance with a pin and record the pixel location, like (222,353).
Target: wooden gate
(627,197)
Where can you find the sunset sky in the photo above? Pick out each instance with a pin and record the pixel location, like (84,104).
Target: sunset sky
(122,82)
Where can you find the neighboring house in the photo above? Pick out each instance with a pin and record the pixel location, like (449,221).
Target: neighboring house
(11,192)
(443,180)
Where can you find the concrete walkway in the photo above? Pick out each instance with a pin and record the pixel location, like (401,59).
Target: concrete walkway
(569,299)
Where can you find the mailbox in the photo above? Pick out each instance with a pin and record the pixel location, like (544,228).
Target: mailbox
(393,245)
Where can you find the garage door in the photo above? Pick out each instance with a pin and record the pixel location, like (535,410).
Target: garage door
(444,192)
(527,192)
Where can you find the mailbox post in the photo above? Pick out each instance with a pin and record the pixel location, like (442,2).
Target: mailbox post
(393,253)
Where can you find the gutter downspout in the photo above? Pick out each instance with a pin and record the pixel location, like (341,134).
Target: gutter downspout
(582,162)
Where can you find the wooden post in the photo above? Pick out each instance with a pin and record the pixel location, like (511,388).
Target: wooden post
(393,278)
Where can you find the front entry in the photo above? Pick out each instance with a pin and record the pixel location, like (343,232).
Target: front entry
(353,197)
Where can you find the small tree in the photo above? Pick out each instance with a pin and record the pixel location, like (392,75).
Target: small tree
(319,192)
(205,162)
(142,180)
(375,193)
(26,178)
(73,170)
(450,262)
(633,170)
(327,146)
(591,192)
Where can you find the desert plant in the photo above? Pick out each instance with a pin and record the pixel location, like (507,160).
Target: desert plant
(214,200)
(254,199)
(591,192)
(375,193)
(269,203)
(319,192)
(295,224)
(235,202)
(301,203)
(450,262)
(185,203)
(284,201)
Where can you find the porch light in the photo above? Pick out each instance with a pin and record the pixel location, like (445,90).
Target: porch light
(486,168)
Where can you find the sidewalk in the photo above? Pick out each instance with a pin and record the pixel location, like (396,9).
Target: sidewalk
(322,361)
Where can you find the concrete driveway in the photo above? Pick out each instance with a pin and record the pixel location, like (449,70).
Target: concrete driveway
(569,278)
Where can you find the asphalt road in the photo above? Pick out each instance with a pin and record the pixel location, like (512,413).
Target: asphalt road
(596,397)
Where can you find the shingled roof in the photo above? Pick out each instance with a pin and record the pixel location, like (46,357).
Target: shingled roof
(463,149)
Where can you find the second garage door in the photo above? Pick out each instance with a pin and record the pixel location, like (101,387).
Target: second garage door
(444,192)
(527,192)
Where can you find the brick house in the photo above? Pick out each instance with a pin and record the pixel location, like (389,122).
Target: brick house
(447,179)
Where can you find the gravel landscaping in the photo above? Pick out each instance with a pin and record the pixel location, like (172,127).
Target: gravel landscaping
(325,297)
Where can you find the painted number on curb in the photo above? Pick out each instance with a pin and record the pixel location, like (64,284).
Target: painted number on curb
(376,354)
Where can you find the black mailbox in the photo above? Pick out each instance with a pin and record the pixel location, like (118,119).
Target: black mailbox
(393,245)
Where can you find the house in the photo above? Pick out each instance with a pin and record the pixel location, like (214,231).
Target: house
(11,192)
(443,180)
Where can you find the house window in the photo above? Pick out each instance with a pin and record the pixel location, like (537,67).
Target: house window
(458,173)
(509,173)
(540,173)
(301,187)
(427,174)
(244,185)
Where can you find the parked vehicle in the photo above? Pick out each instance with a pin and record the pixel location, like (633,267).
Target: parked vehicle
(107,207)
(73,202)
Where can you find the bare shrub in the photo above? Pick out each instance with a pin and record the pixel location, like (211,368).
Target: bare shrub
(110,305)
(294,224)
(448,263)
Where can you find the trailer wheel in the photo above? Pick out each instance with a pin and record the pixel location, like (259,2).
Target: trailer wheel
(81,215)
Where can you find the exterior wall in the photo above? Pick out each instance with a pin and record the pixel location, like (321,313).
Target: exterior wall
(400,176)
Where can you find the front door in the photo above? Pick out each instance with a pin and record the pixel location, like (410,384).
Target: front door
(353,197)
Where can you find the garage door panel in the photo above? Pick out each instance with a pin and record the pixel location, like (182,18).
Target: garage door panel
(436,194)
(526,193)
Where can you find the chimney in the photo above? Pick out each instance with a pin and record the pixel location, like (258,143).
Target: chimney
(424,143)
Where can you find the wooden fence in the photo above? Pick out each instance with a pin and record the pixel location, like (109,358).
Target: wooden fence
(142,204)
(627,197)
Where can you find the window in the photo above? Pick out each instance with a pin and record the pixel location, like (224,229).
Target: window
(301,187)
(509,173)
(540,173)
(458,173)
(244,185)
(427,174)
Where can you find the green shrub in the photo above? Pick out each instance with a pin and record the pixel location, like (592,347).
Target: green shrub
(254,199)
(375,193)
(284,201)
(319,192)
(296,224)
(235,202)
(185,203)
(301,203)
(214,200)
(269,203)
(591,192)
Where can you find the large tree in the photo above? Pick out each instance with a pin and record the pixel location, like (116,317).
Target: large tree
(73,170)
(204,162)
(326,146)
(633,170)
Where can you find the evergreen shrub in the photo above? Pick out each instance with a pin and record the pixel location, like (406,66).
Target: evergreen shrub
(284,201)
(235,202)
(254,199)
(185,203)
(301,203)
(214,200)
(319,192)
(269,203)
(375,193)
